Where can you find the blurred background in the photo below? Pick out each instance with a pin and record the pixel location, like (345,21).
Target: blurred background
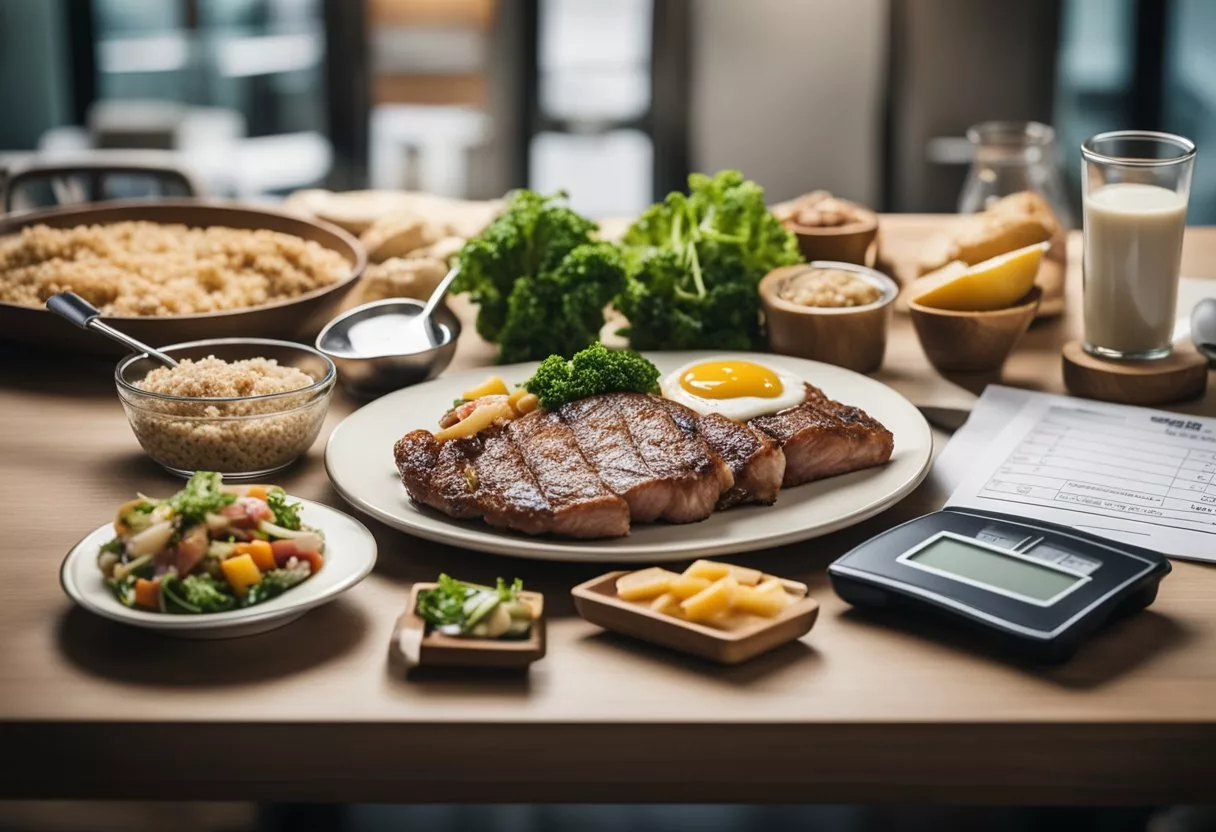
(613,100)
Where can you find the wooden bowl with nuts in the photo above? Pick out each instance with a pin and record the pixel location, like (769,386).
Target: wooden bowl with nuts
(829,311)
(830,228)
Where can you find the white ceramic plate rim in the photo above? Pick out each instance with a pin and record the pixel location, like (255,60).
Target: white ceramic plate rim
(913,444)
(350,547)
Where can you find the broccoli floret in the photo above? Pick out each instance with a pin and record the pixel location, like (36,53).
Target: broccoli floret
(540,281)
(590,372)
(206,593)
(201,496)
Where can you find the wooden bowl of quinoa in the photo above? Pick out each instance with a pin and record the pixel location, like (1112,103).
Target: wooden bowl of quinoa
(246,407)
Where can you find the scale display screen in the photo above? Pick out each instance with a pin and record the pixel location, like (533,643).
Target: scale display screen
(985,567)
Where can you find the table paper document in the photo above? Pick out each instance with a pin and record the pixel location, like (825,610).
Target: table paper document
(1144,477)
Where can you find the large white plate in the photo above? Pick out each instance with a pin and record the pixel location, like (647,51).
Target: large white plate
(350,554)
(359,458)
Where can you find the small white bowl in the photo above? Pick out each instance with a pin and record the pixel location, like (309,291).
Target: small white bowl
(350,554)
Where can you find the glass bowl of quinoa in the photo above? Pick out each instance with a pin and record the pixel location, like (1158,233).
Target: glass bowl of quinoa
(246,407)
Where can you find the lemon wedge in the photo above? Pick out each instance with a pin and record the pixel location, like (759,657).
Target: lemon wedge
(997,283)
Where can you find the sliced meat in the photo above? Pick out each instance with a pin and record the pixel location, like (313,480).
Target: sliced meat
(581,505)
(756,462)
(506,491)
(440,475)
(691,474)
(823,438)
(603,437)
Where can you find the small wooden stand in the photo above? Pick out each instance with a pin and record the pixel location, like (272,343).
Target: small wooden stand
(1182,375)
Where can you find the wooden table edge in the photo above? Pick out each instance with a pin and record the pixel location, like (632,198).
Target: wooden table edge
(980,764)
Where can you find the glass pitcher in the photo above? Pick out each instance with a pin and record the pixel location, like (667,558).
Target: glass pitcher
(1013,156)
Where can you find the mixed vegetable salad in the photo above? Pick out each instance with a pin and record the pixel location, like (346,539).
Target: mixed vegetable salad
(209,548)
(455,608)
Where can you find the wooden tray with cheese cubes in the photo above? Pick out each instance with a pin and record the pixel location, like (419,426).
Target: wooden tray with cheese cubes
(718,611)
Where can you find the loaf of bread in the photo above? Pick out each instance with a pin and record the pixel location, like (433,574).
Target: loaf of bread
(1013,222)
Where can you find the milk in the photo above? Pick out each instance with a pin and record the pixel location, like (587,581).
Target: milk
(1133,251)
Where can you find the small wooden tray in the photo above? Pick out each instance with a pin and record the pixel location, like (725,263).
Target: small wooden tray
(597,602)
(415,645)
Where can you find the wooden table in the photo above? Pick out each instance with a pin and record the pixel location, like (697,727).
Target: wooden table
(856,712)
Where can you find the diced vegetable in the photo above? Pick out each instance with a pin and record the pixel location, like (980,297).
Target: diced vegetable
(315,561)
(261,552)
(767,600)
(667,603)
(259,491)
(477,421)
(686,586)
(492,386)
(241,573)
(710,602)
(644,584)
(151,540)
(147,593)
(713,570)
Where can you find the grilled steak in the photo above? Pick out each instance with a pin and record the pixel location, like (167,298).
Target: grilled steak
(486,477)
(756,462)
(581,505)
(823,438)
(590,467)
(642,455)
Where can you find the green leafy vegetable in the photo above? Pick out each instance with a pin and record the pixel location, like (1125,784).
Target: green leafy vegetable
(201,496)
(444,604)
(123,589)
(286,514)
(695,262)
(113,546)
(206,593)
(540,281)
(173,596)
(590,372)
(458,607)
(275,582)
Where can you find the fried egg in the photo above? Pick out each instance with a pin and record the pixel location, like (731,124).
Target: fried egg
(736,388)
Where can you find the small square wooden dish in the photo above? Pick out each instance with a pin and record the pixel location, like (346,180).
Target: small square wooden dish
(417,644)
(751,635)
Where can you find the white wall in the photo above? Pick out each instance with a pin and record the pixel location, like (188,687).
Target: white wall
(791,93)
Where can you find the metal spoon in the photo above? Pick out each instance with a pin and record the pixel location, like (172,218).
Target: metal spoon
(79,311)
(1203,327)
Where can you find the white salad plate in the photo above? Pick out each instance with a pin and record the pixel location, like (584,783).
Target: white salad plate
(359,459)
(350,554)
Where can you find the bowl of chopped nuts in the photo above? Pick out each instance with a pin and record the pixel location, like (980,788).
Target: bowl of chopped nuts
(829,311)
(830,228)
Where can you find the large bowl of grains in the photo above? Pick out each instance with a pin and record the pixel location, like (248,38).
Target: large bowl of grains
(173,270)
(246,407)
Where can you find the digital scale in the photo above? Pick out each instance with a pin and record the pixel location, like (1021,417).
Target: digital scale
(1035,588)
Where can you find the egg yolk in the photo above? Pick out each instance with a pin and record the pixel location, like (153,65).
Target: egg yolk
(731,380)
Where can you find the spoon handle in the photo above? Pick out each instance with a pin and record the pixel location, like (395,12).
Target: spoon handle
(74,308)
(440,291)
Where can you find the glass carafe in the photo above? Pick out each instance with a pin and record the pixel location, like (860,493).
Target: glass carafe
(1009,157)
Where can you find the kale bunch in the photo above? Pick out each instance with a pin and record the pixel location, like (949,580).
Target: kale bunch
(695,262)
(590,372)
(541,282)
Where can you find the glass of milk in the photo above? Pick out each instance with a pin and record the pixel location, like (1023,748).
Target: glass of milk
(1135,187)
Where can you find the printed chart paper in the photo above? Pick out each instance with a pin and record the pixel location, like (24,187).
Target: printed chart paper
(1144,477)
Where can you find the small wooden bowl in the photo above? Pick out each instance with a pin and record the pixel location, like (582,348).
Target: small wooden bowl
(597,602)
(848,243)
(967,342)
(414,644)
(854,337)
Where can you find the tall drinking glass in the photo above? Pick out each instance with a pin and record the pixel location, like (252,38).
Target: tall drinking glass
(1135,188)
